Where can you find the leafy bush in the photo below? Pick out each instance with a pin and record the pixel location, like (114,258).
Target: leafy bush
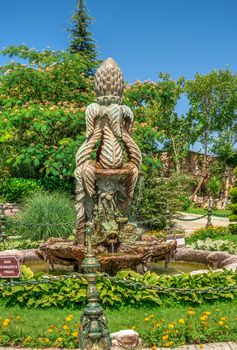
(19,244)
(233,229)
(152,196)
(233,198)
(14,189)
(208,232)
(47,215)
(185,201)
(122,290)
(217,245)
(54,184)
(233,217)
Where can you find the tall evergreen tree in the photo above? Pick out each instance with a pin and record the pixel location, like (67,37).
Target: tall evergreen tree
(82,40)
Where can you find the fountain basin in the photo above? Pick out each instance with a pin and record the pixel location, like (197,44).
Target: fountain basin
(143,253)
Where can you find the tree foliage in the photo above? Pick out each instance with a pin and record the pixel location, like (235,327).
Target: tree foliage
(42,106)
(82,40)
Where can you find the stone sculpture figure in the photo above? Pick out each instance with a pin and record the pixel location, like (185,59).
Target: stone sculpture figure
(107,163)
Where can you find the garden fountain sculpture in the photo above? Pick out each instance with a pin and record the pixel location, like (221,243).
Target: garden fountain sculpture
(107,170)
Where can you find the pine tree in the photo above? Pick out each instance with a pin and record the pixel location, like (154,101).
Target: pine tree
(82,40)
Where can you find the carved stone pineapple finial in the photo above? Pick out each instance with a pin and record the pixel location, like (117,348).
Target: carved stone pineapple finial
(109,82)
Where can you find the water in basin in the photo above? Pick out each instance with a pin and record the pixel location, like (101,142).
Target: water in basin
(174,267)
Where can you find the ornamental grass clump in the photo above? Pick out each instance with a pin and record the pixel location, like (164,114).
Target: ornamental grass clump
(46,215)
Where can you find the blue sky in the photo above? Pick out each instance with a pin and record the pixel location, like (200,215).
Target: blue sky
(145,37)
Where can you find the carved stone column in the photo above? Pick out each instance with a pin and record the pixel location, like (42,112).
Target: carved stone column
(106,182)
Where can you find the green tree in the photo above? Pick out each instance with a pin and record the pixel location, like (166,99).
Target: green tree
(213,103)
(82,40)
(42,106)
(212,100)
(158,127)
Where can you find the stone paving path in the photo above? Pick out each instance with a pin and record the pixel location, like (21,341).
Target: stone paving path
(190,226)
(216,346)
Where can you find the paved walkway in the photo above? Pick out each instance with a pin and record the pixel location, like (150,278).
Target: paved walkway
(190,226)
(216,346)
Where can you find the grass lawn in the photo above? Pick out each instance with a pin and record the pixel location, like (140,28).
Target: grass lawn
(213,322)
(202,211)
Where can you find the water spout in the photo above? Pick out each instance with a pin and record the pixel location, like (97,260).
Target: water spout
(112,248)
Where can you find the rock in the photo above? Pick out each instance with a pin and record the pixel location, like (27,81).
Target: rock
(10,209)
(23,255)
(126,339)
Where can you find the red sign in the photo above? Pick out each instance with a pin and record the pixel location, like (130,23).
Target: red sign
(9,266)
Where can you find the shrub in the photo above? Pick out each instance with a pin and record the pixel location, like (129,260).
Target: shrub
(53,183)
(185,201)
(208,232)
(18,244)
(217,245)
(122,290)
(233,198)
(42,209)
(233,229)
(152,196)
(233,217)
(14,189)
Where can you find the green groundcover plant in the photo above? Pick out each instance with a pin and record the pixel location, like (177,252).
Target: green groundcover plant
(216,245)
(123,290)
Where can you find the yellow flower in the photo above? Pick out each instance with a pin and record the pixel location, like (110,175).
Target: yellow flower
(17,318)
(46,340)
(59,339)
(157,325)
(165,337)
(153,347)
(190,312)
(221,323)
(224,318)
(50,330)
(75,334)
(181,321)
(207,313)
(171,325)
(65,327)
(203,318)
(27,339)
(69,318)
(169,343)
(6,322)
(146,319)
